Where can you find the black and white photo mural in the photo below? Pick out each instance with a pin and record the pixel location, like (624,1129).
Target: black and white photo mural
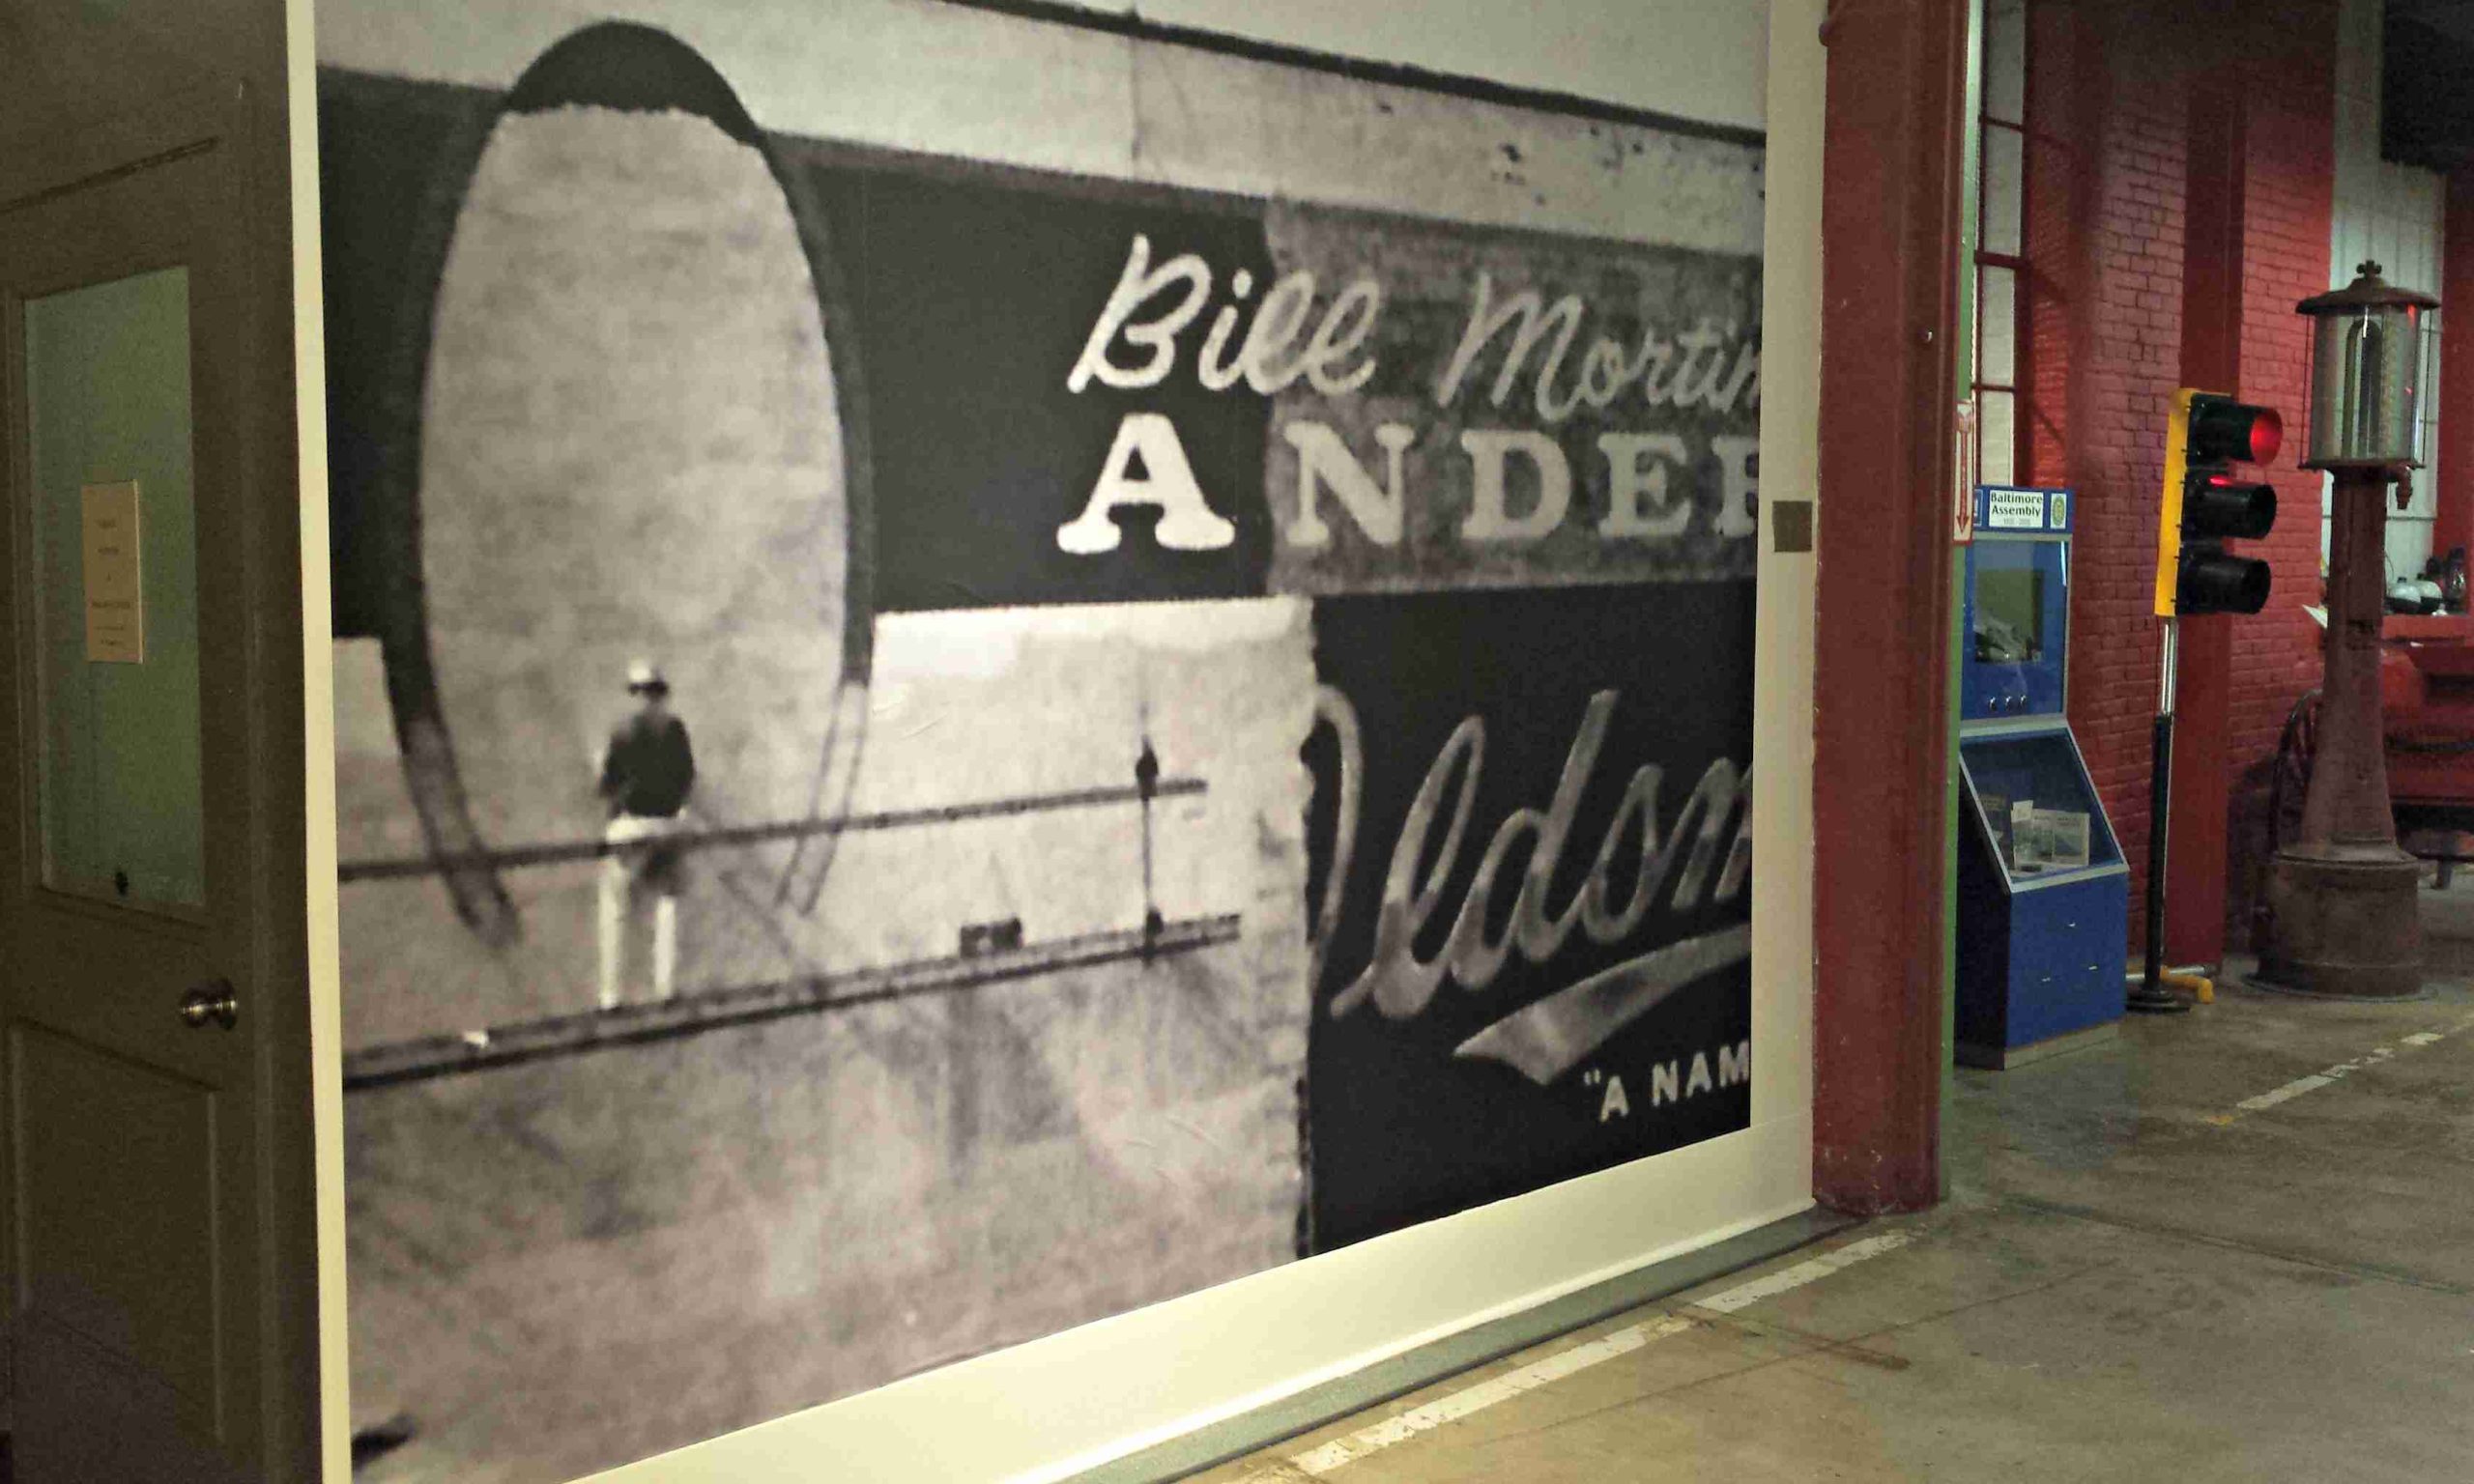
(942,734)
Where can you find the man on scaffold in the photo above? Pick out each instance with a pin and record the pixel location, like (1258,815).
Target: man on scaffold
(646,773)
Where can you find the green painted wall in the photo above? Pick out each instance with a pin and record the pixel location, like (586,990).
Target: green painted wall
(1963,352)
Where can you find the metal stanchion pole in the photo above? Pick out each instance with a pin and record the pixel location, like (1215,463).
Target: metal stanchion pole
(2151,997)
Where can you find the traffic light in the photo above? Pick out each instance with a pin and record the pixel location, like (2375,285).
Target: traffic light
(2207,505)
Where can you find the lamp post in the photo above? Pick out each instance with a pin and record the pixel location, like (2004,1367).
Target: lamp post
(2343,899)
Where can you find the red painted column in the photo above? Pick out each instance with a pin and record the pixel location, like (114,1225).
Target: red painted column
(2212,299)
(2454,523)
(1889,229)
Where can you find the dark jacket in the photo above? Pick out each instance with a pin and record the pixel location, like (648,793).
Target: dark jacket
(649,767)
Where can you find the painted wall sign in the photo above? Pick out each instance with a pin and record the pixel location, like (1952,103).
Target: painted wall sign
(1531,852)
(1524,410)
(930,751)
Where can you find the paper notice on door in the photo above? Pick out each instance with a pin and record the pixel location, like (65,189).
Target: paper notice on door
(115,576)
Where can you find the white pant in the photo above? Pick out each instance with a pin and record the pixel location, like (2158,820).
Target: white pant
(623,872)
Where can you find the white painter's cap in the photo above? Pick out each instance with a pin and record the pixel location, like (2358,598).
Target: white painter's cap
(645,676)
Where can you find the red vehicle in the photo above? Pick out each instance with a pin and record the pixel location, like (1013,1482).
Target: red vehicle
(2427,701)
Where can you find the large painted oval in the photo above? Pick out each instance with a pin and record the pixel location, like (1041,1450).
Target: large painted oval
(633,447)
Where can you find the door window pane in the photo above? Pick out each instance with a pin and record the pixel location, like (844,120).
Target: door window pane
(2005,59)
(1996,438)
(115,571)
(2002,181)
(1998,321)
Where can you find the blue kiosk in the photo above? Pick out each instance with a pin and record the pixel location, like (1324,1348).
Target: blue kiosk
(2044,897)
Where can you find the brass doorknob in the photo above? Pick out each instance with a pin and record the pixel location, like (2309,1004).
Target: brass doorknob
(215,1002)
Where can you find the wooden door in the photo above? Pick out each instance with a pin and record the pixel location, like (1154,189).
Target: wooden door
(157,1314)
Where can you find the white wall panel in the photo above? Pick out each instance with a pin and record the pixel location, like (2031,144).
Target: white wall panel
(2393,215)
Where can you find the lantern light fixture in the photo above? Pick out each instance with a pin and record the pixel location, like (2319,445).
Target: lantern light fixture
(2367,370)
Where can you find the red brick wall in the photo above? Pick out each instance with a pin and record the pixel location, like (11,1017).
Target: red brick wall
(2126,124)
(2111,86)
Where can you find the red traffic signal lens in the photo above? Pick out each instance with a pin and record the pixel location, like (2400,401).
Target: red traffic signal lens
(2223,429)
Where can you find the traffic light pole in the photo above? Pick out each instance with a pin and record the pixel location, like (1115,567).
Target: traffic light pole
(2204,505)
(2151,997)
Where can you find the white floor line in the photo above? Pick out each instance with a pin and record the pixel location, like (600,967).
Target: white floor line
(2333,1075)
(1316,1462)
(2293,1089)
(1785,1278)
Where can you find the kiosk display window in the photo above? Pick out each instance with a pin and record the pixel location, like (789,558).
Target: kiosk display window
(2017,650)
(2032,794)
(2009,613)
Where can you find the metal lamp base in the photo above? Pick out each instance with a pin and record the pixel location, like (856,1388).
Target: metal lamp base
(2345,929)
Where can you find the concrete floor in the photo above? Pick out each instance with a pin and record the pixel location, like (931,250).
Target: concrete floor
(2134,1278)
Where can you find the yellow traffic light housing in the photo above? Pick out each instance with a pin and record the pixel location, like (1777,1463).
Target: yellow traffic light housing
(2204,505)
